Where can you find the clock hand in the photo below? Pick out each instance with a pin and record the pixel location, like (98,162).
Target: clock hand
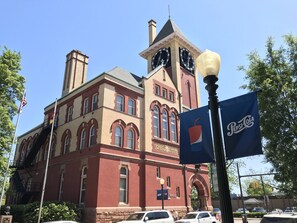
(159,58)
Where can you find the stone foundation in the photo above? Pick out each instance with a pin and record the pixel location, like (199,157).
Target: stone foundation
(113,215)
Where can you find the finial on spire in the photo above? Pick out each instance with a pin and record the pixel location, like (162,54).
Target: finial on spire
(169,11)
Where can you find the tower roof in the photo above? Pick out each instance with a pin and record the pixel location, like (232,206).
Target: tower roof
(169,28)
(169,32)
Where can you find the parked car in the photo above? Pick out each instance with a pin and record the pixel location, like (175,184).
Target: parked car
(216,212)
(158,216)
(197,217)
(279,218)
(240,210)
(276,211)
(259,209)
(290,210)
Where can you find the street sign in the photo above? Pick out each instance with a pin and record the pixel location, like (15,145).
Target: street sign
(159,194)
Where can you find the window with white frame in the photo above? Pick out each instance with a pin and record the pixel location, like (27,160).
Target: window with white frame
(83,185)
(165,124)
(156,117)
(61,186)
(86,106)
(94,101)
(69,113)
(130,141)
(82,139)
(119,136)
(173,127)
(120,103)
(131,107)
(123,185)
(92,136)
(171,96)
(158,172)
(66,144)
(164,93)
(157,89)
(177,192)
(168,182)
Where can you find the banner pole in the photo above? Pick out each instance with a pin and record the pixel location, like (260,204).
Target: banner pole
(11,149)
(47,162)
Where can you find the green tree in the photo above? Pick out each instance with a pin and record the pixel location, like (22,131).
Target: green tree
(255,188)
(232,176)
(276,75)
(11,89)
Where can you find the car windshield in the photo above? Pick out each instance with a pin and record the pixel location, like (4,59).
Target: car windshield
(190,216)
(135,216)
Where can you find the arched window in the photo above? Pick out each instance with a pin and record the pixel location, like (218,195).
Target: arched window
(45,152)
(131,107)
(165,124)
(66,144)
(92,136)
(131,138)
(83,185)
(156,122)
(173,127)
(82,139)
(123,185)
(120,103)
(61,186)
(53,148)
(86,106)
(119,136)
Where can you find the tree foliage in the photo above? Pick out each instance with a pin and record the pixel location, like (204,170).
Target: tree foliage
(255,188)
(275,76)
(11,89)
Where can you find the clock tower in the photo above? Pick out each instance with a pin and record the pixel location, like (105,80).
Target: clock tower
(171,49)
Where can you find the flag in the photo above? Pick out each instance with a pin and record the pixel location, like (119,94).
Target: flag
(195,137)
(23,102)
(241,126)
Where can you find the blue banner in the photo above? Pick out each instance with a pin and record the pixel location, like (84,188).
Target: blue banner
(241,126)
(195,137)
(165,194)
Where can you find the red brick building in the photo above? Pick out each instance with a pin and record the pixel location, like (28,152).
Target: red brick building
(117,135)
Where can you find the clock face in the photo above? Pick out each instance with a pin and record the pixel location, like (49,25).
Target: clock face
(161,57)
(187,59)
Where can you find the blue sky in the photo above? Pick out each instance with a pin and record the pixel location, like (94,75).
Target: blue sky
(113,33)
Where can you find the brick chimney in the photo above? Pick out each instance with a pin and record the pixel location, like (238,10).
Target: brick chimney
(152,31)
(75,71)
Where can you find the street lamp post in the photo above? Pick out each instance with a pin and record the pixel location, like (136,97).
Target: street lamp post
(162,190)
(209,65)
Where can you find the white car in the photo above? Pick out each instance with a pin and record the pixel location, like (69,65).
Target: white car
(279,218)
(240,210)
(198,217)
(157,216)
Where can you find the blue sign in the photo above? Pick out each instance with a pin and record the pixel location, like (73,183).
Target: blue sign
(165,194)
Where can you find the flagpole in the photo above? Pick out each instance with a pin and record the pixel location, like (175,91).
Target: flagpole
(11,150)
(47,161)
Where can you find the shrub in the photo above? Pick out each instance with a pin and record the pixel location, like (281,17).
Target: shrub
(51,211)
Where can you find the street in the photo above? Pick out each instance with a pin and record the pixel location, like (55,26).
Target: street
(250,220)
